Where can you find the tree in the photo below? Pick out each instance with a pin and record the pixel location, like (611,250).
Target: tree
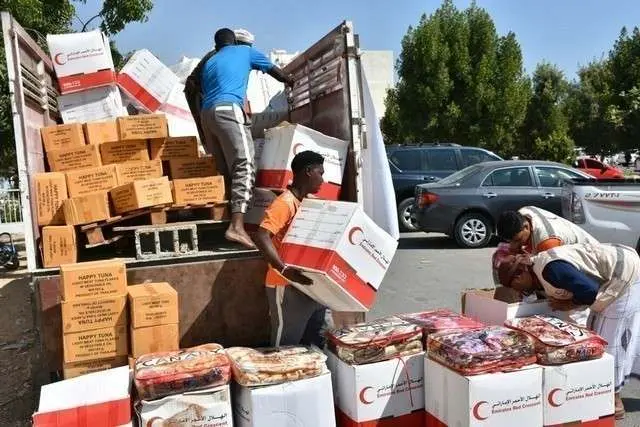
(42,17)
(458,81)
(545,134)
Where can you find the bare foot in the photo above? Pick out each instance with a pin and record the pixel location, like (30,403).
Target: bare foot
(619,407)
(239,237)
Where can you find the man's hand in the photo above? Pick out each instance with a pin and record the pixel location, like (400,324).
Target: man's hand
(296,276)
(290,81)
(561,304)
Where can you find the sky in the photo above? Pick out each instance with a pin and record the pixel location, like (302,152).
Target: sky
(568,33)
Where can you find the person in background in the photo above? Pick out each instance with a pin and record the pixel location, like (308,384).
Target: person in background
(602,276)
(295,318)
(225,125)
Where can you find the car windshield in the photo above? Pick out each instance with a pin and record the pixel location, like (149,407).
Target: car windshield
(457,177)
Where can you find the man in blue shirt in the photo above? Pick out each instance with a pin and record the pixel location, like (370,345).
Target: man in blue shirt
(226,128)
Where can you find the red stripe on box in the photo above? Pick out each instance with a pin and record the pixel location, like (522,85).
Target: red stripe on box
(333,265)
(138,92)
(108,414)
(80,82)
(414,419)
(609,421)
(329,191)
(432,421)
(273,178)
(176,111)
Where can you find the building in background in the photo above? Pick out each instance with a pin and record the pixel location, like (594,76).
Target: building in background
(281,57)
(378,68)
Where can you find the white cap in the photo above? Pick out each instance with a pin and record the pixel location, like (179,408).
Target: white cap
(244,36)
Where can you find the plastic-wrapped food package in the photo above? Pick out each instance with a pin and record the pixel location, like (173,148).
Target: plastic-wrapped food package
(441,320)
(375,341)
(268,366)
(558,342)
(161,374)
(480,351)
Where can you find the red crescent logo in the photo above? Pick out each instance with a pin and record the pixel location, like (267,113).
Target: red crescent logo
(476,410)
(60,59)
(296,148)
(353,233)
(362,396)
(551,397)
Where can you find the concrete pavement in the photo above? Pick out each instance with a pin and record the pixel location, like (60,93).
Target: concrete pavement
(430,271)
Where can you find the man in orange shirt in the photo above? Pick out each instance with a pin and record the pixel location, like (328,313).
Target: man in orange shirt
(295,318)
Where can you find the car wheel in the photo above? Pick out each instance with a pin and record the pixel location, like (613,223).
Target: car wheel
(473,230)
(406,217)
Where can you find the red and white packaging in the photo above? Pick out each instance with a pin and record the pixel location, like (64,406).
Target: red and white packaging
(147,80)
(93,105)
(81,60)
(179,118)
(262,199)
(512,399)
(100,399)
(203,408)
(388,393)
(281,145)
(342,250)
(579,394)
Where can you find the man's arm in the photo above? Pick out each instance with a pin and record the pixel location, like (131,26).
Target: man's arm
(261,63)
(278,74)
(550,243)
(263,241)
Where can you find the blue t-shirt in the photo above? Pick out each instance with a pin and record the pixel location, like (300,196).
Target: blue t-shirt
(564,275)
(225,76)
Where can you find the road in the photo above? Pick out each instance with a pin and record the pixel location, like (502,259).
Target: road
(430,271)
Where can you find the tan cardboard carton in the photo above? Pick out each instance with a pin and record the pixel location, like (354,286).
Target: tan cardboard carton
(62,136)
(152,304)
(72,370)
(138,171)
(93,279)
(174,148)
(143,126)
(192,168)
(97,133)
(141,194)
(97,344)
(124,151)
(51,191)
(198,191)
(154,339)
(94,180)
(88,314)
(86,209)
(66,159)
(59,245)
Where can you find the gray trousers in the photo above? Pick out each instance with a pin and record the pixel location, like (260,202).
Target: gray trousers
(228,137)
(296,319)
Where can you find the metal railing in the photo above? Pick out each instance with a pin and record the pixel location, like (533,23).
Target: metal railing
(10,206)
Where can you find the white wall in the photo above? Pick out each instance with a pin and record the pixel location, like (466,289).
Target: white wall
(378,67)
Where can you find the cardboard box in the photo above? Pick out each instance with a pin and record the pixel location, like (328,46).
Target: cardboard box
(66,159)
(281,145)
(104,103)
(59,246)
(198,191)
(138,171)
(262,199)
(146,79)
(174,148)
(86,209)
(209,407)
(88,314)
(97,133)
(307,403)
(154,339)
(141,194)
(142,126)
(81,60)
(192,168)
(392,390)
(93,280)
(124,151)
(153,304)
(579,393)
(500,399)
(62,136)
(73,370)
(94,180)
(51,192)
(342,250)
(97,344)
(97,399)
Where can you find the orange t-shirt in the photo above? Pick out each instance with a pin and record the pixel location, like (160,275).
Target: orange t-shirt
(277,218)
